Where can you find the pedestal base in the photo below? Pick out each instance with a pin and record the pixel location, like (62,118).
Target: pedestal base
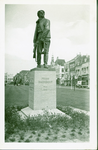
(29,112)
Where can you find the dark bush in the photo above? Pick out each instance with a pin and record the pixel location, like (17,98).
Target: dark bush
(78,119)
(14,123)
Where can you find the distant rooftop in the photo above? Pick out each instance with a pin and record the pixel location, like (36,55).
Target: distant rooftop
(82,57)
(24,71)
(60,62)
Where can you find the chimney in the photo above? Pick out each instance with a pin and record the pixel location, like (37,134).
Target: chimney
(86,55)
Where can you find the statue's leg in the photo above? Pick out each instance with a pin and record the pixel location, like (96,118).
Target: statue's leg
(39,50)
(46,51)
(38,58)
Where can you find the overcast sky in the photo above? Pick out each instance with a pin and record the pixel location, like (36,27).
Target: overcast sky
(70,29)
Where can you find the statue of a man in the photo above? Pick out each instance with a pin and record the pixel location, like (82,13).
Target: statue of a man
(42,38)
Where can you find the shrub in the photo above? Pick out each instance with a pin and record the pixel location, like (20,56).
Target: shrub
(14,123)
(49,134)
(55,137)
(72,134)
(12,117)
(19,141)
(80,133)
(78,119)
(47,138)
(63,136)
(42,131)
(22,136)
(88,131)
(33,132)
(6,136)
(27,140)
(39,134)
(9,129)
(37,139)
(73,130)
(12,139)
(10,114)
(30,136)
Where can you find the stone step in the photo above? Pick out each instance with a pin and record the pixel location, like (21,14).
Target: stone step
(25,112)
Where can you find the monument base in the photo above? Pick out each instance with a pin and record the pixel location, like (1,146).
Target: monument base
(42,93)
(42,89)
(29,112)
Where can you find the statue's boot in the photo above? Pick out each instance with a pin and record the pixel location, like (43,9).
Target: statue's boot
(45,66)
(38,66)
(45,60)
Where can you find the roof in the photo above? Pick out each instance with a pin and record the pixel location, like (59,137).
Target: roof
(80,59)
(75,58)
(85,59)
(60,62)
(24,72)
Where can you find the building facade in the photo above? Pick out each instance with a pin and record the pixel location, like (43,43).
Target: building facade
(79,67)
(5,77)
(59,67)
(8,78)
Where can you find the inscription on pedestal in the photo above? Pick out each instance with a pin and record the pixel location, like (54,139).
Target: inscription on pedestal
(42,90)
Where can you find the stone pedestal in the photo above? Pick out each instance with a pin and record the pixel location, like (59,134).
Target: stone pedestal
(42,92)
(42,89)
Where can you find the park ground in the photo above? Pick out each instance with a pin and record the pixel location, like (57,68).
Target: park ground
(47,128)
(65,96)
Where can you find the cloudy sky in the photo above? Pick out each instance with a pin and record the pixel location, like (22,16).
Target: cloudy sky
(70,30)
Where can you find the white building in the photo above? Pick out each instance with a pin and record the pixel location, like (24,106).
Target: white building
(59,71)
(8,78)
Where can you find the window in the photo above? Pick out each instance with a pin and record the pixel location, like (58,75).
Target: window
(87,69)
(62,69)
(85,60)
(84,70)
(66,70)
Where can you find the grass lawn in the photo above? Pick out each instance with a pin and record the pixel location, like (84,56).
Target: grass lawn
(46,128)
(78,98)
(18,95)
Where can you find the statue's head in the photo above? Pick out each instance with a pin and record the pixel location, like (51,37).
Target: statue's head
(41,13)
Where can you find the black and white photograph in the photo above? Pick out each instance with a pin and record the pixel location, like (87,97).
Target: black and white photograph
(49,74)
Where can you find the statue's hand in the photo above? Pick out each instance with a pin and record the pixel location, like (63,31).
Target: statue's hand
(42,40)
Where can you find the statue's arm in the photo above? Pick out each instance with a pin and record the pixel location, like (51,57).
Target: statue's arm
(35,42)
(35,35)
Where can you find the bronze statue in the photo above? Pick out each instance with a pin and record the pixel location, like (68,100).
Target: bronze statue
(42,39)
